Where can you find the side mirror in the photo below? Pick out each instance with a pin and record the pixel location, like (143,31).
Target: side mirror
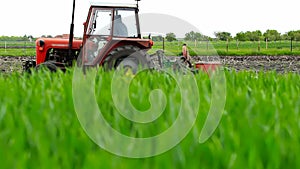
(95,24)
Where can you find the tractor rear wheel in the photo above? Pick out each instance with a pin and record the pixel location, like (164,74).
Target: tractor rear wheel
(128,57)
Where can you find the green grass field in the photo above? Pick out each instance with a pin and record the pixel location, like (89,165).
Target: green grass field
(259,128)
(18,52)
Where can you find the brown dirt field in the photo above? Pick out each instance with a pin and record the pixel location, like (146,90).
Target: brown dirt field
(279,64)
(257,63)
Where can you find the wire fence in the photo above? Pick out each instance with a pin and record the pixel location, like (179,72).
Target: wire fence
(17,48)
(284,47)
(27,48)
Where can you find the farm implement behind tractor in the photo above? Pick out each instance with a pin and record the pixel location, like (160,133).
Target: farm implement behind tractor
(111,38)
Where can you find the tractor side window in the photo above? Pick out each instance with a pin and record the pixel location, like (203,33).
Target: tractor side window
(125,23)
(100,23)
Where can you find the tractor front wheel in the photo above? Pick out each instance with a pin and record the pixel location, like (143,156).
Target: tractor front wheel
(48,65)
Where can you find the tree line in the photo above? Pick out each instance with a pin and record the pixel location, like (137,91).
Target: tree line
(17,38)
(269,35)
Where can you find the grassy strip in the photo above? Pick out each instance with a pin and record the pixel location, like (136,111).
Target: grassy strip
(17,43)
(18,52)
(270,52)
(219,47)
(259,128)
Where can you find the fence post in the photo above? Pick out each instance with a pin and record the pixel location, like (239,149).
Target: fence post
(24,48)
(5,46)
(163,44)
(207,44)
(227,45)
(291,44)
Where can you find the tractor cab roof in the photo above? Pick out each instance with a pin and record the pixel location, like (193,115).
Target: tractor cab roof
(113,5)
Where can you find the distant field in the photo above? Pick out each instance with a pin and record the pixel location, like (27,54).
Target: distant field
(17,48)
(17,44)
(202,48)
(242,49)
(259,128)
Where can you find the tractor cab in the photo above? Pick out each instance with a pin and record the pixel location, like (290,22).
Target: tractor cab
(111,34)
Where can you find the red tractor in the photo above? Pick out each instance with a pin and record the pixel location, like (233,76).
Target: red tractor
(111,38)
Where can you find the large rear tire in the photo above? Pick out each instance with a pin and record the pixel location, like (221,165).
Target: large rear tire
(128,57)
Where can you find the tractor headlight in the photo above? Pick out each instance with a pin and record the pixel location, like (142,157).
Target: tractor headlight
(41,44)
(151,43)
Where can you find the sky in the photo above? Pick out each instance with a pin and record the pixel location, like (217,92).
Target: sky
(53,17)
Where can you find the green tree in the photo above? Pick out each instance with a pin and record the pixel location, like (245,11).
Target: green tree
(272,35)
(157,38)
(256,35)
(294,35)
(170,37)
(297,35)
(248,35)
(241,36)
(253,36)
(192,36)
(24,38)
(223,36)
(285,37)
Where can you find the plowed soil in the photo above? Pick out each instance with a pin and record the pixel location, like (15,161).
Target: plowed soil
(257,63)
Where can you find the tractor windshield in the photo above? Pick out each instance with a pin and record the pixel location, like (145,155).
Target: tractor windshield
(124,24)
